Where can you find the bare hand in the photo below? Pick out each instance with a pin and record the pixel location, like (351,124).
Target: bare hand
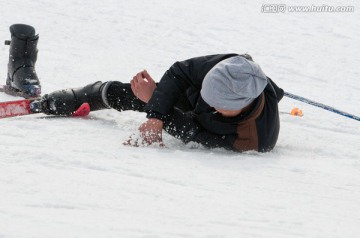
(143,86)
(150,133)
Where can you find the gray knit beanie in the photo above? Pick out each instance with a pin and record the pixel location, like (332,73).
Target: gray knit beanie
(233,83)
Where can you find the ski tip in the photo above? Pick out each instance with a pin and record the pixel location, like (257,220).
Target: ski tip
(14,108)
(82,111)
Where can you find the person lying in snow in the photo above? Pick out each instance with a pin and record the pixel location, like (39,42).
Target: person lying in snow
(222,100)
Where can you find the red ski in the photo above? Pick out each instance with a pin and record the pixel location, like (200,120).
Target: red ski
(15,108)
(30,106)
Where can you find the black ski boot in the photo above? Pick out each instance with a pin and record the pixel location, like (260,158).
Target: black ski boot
(67,102)
(23,54)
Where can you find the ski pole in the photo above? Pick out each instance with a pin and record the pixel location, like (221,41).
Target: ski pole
(331,109)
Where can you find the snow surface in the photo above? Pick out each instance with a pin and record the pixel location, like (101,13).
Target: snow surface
(74,178)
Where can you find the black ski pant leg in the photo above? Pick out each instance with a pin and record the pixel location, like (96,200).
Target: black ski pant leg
(121,98)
